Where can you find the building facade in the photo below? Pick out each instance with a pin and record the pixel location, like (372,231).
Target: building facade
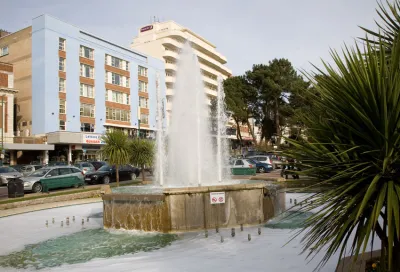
(73,86)
(165,40)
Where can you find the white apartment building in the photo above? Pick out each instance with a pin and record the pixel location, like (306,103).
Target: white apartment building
(164,40)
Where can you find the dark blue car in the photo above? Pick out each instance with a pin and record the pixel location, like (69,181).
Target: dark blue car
(261,166)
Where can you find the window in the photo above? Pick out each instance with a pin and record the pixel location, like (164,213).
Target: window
(61,44)
(117,97)
(61,64)
(87,71)
(116,79)
(65,171)
(87,127)
(106,95)
(53,173)
(142,71)
(168,74)
(86,52)
(61,85)
(116,62)
(62,125)
(144,118)
(87,90)
(126,82)
(239,162)
(87,110)
(142,86)
(62,106)
(128,99)
(4,51)
(143,102)
(118,114)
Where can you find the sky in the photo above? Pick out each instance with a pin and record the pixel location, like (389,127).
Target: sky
(246,32)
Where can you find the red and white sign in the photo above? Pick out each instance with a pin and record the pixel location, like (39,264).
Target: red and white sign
(146,28)
(217,197)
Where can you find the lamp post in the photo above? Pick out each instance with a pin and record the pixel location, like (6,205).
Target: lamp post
(2,129)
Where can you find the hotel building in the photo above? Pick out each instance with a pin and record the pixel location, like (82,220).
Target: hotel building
(73,86)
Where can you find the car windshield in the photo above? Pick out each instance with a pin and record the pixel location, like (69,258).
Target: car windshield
(104,168)
(7,170)
(77,165)
(40,172)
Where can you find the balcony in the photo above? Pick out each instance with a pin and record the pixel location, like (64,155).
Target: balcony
(29,140)
(170,79)
(168,54)
(210,81)
(210,92)
(171,66)
(169,106)
(198,42)
(171,42)
(170,92)
(213,63)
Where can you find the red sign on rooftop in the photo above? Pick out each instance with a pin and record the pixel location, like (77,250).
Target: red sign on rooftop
(146,28)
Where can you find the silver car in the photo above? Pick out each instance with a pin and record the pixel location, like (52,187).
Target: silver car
(86,167)
(56,177)
(29,169)
(7,173)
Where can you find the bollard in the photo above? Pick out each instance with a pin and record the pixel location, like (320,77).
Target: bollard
(73,218)
(47,223)
(87,220)
(62,224)
(259,231)
(249,237)
(216,229)
(222,239)
(206,233)
(241,227)
(53,220)
(233,232)
(83,221)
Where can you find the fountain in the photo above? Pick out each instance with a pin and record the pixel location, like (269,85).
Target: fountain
(193,187)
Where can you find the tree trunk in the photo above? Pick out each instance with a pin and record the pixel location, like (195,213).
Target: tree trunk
(143,178)
(238,134)
(117,174)
(251,132)
(278,130)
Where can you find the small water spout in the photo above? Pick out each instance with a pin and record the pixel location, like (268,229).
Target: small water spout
(249,237)
(47,223)
(241,227)
(62,224)
(216,229)
(222,239)
(87,220)
(53,220)
(259,231)
(291,201)
(83,221)
(233,232)
(73,218)
(206,233)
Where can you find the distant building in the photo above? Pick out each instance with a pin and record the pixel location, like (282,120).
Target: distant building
(73,86)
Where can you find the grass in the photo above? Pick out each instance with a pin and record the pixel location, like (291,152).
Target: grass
(69,192)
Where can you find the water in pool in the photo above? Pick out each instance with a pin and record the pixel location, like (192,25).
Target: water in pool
(30,245)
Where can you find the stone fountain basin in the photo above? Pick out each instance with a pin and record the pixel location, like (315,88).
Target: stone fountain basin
(190,208)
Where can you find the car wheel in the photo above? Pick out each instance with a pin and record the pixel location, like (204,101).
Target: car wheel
(133,176)
(37,187)
(106,180)
(262,169)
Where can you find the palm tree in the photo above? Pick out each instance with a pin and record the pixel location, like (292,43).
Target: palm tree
(354,144)
(141,153)
(115,149)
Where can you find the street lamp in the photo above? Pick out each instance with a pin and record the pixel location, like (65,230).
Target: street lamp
(2,128)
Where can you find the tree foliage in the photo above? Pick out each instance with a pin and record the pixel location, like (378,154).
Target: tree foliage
(354,137)
(115,149)
(142,153)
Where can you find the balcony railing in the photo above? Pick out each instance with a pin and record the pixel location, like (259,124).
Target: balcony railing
(28,140)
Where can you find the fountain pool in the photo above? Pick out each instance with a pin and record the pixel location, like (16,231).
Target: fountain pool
(30,245)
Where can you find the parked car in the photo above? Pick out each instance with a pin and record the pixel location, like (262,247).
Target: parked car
(86,167)
(107,174)
(18,167)
(57,163)
(54,177)
(6,173)
(264,159)
(261,166)
(276,161)
(243,167)
(98,164)
(26,170)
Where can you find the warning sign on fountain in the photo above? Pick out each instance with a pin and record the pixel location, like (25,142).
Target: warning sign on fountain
(217,197)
